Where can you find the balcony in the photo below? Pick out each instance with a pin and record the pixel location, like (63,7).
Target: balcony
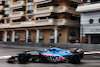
(66,22)
(87,7)
(45,22)
(44,10)
(58,9)
(4,25)
(17,4)
(1,7)
(42,1)
(17,14)
(27,24)
(78,1)
(22,24)
(1,16)
(66,9)
(18,24)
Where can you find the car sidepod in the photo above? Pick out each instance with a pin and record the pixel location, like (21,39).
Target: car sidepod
(53,57)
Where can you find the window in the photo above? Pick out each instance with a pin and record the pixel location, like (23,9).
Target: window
(8,2)
(52,33)
(52,37)
(41,37)
(7,12)
(73,33)
(51,40)
(8,20)
(30,0)
(30,7)
(91,21)
(41,33)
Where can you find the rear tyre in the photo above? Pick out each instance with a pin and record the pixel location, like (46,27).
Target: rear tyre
(22,58)
(75,59)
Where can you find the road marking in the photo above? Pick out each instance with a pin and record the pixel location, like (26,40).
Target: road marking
(92,52)
(4,57)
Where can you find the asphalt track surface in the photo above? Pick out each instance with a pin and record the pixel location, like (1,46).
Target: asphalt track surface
(88,61)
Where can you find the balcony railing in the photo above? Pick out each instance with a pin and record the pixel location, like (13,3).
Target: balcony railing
(17,4)
(58,9)
(78,1)
(42,1)
(44,10)
(18,24)
(66,9)
(44,22)
(27,23)
(66,22)
(22,24)
(87,7)
(1,7)
(96,2)
(4,25)
(17,14)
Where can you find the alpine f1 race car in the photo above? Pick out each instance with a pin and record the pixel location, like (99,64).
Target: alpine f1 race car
(51,55)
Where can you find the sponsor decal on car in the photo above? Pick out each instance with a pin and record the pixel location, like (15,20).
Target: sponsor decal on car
(54,58)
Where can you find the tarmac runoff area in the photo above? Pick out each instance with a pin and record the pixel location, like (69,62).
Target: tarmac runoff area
(35,48)
(91,59)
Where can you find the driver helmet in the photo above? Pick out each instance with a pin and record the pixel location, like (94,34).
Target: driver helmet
(50,49)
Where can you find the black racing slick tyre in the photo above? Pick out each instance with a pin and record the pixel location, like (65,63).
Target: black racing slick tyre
(75,59)
(22,58)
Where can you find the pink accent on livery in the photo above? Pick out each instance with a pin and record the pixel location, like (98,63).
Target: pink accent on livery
(54,57)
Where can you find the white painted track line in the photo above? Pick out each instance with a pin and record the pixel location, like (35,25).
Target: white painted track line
(4,57)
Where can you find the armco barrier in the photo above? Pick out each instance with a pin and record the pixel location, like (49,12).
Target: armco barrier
(65,45)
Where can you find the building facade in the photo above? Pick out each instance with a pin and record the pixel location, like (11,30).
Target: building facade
(90,21)
(39,21)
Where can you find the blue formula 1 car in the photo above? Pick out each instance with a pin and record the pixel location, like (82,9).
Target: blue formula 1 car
(52,55)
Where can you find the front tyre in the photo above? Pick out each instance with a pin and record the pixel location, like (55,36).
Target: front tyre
(22,58)
(75,59)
